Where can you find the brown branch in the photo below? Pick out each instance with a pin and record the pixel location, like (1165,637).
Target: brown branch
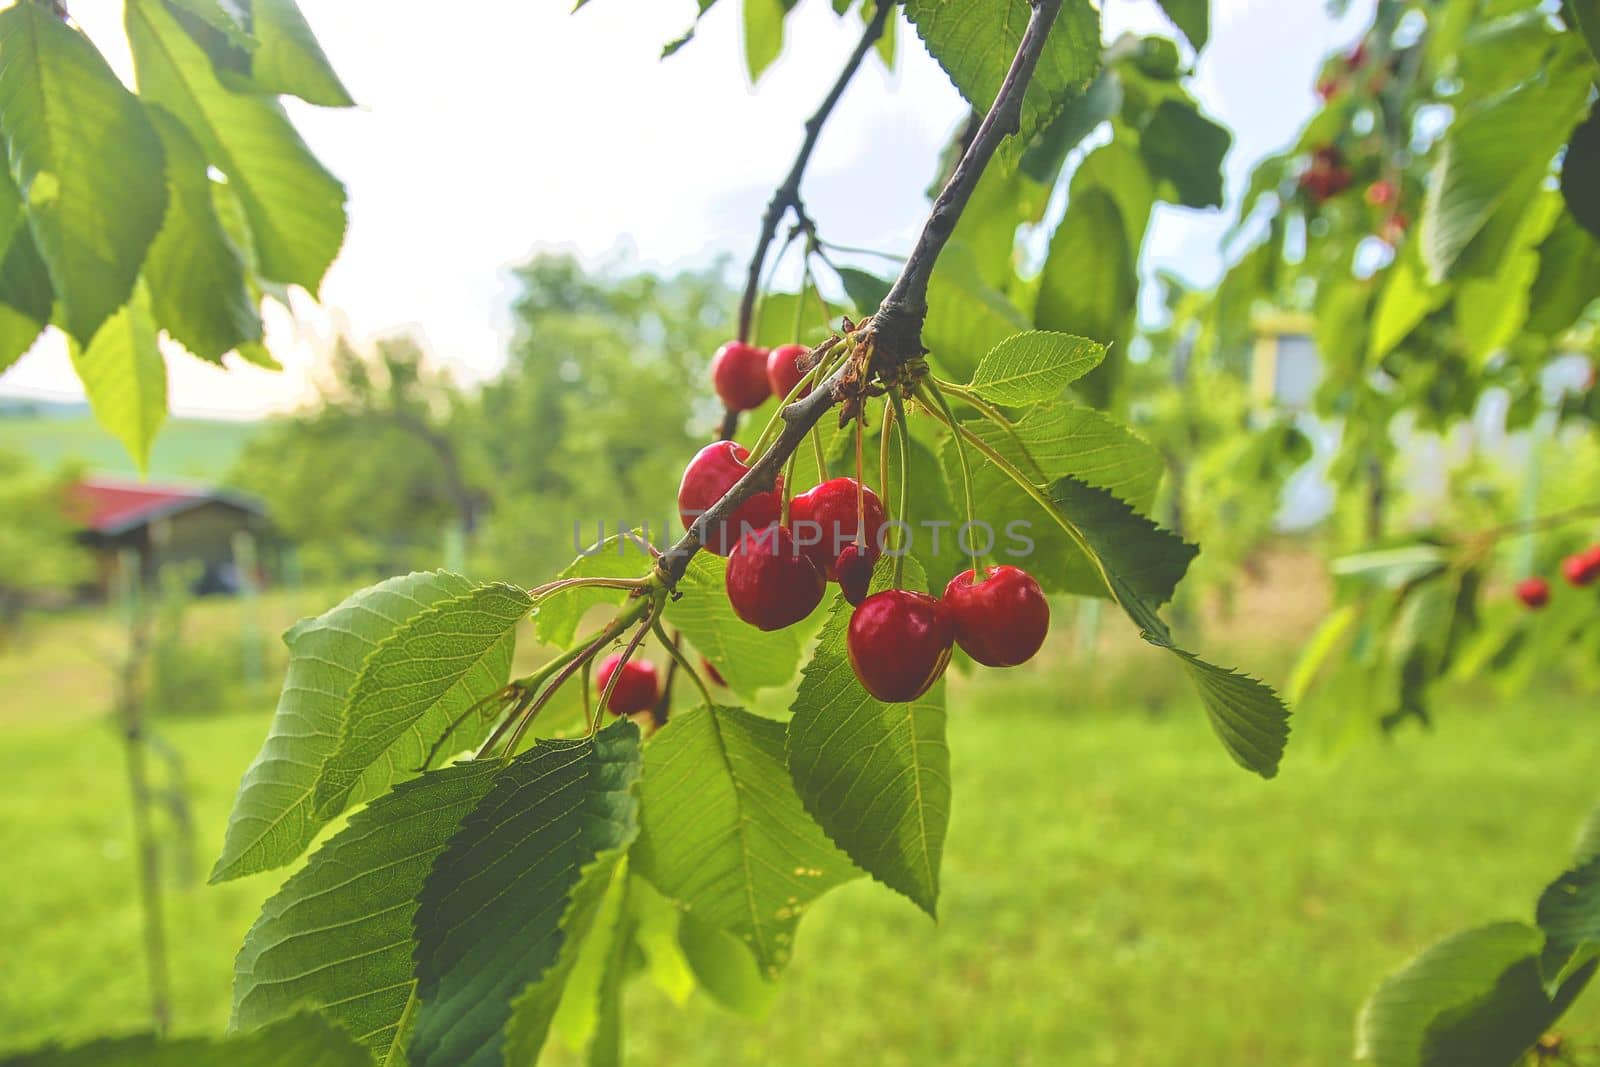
(904,313)
(899,318)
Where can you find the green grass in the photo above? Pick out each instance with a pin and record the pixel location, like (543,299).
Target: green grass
(194,449)
(1115,891)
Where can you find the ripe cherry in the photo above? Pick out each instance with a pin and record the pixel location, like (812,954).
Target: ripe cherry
(710,474)
(1381,192)
(1000,621)
(783,369)
(1582,568)
(1534,592)
(854,568)
(636,689)
(739,372)
(712,672)
(824,520)
(770,581)
(899,643)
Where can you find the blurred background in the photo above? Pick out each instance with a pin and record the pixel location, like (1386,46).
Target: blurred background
(515,337)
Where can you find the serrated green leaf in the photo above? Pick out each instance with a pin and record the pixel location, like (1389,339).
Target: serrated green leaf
(489,921)
(86,160)
(1580,173)
(289,59)
(875,776)
(273,818)
(723,832)
(557,615)
(1473,1000)
(1569,916)
(125,377)
(1493,159)
(295,207)
(195,275)
(337,936)
(1033,367)
(304,1041)
(1193,19)
(415,691)
(1185,151)
(976,40)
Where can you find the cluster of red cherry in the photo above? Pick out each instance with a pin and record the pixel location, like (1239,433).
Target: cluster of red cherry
(1579,569)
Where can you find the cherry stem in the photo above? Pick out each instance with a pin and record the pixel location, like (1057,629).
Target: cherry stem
(800,301)
(902,533)
(819,455)
(883,455)
(820,354)
(616,672)
(932,388)
(788,487)
(861,494)
(681,660)
(559,585)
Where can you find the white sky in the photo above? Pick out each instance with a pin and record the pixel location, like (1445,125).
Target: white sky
(490,130)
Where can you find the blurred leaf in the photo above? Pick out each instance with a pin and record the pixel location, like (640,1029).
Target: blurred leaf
(295,207)
(866,291)
(1492,162)
(1090,278)
(748,659)
(1032,367)
(337,936)
(1585,14)
(589,1015)
(289,59)
(672,46)
(273,817)
(490,920)
(1569,915)
(723,832)
(1580,173)
(25,294)
(125,377)
(1330,633)
(1472,1000)
(763,34)
(87,163)
(976,40)
(1568,278)
(875,776)
(1193,19)
(1081,116)
(1405,301)
(966,315)
(304,1041)
(1185,151)
(195,275)
(220,18)
(415,691)
(725,968)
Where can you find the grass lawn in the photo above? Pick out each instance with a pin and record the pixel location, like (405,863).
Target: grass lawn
(1115,890)
(188,448)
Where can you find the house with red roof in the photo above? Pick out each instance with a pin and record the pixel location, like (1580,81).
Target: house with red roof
(213,532)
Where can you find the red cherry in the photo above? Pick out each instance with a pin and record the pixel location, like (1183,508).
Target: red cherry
(854,568)
(636,689)
(828,515)
(739,372)
(1357,58)
(1534,592)
(712,672)
(899,644)
(783,369)
(1000,621)
(1381,192)
(710,474)
(1329,87)
(771,582)
(1582,568)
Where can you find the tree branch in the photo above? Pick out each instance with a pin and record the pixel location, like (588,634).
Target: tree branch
(906,305)
(898,321)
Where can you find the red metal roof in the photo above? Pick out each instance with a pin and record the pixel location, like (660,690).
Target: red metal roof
(109,506)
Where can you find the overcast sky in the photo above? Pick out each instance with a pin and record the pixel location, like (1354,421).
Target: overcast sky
(490,130)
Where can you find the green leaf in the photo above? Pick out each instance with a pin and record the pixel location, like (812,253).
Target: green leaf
(86,160)
(1580,173)
(273,818)
(1405,301)
(976,40)
(1493,159)
(337,936)
(866,291)
(1588,844)
(195,275)
(966,315)
(875,776)
(588,1015)
(1193,19)
(289,59)
(1033,367)
(1185,151)
(304,1041)
(1090,279)
(415,691)
(723,832)
(1568,278)
(725,968)
(295,207)
(1569,915)
(489,918)
(25,294)
(1584,16)
(1473,1000)
(763,34)
(213,14)
(125,377)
